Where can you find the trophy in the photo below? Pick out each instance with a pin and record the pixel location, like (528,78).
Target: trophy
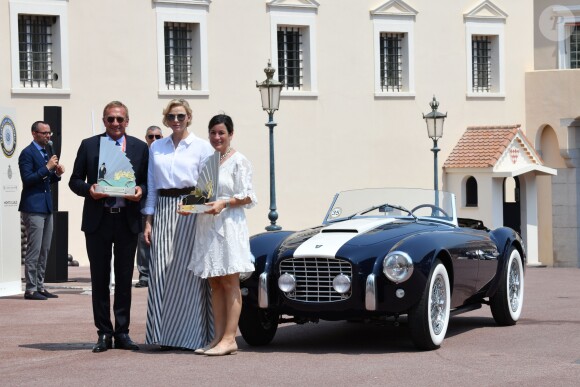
(206,190)
(115,175)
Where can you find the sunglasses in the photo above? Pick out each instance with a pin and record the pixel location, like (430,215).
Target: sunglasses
(111,119)
(44,133)
(180,117)
(153,136)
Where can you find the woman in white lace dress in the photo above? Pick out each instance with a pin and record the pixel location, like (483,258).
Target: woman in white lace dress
(222,245)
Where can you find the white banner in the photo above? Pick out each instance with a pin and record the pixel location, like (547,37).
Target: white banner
(10,238)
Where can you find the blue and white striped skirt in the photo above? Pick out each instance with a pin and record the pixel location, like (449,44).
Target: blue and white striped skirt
(179,310)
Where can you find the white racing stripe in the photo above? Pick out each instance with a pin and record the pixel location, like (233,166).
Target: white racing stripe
(330,239)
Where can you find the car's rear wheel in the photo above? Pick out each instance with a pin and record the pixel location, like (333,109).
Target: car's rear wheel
(506,304)
(428,321)
(258,326)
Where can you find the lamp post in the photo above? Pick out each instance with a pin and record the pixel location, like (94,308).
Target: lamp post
(270,92)
(435,121)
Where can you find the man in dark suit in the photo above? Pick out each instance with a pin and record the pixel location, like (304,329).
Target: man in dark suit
(39,168)
(111,224)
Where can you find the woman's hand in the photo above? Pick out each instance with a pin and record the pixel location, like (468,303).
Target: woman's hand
(216,207)
(148,228)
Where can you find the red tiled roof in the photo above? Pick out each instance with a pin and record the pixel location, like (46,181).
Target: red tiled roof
(482,146)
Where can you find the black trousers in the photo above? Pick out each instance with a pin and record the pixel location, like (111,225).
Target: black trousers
(112,237)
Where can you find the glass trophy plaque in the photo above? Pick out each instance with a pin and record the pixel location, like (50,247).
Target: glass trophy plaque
(206,190)
(115,175)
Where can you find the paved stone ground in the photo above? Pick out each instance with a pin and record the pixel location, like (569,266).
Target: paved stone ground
(47,343)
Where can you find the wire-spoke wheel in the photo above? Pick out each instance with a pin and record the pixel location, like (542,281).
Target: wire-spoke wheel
(429,320)
(507,302)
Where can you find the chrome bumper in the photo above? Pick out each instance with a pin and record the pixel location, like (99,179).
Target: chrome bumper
(371,293)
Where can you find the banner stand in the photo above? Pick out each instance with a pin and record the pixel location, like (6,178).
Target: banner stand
(10,238)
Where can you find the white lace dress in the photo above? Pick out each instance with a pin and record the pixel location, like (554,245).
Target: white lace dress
(222,242)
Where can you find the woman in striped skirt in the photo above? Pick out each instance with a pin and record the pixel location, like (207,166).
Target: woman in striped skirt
(179,311)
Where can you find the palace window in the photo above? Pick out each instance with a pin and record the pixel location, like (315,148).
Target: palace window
(290,62)
(182,53)
(39,46)
(484,46)
(178,56)
(293,46)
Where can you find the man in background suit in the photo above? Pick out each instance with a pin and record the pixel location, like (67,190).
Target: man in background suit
(143,250)
(111,224)
(39,168)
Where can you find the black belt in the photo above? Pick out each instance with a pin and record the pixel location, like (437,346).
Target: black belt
(113,210)
(175,192)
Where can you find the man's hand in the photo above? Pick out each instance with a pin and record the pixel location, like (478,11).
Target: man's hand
(59,170)
(137,196)
(97,195)
(52,163)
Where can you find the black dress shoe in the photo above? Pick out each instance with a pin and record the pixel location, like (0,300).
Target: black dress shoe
(105,342)
(142,284)
(34,296)
(123,341)
(47,294)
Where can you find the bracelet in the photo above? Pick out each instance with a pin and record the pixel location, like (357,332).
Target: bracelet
(228,203)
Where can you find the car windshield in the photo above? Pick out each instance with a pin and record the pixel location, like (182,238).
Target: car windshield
(393,202)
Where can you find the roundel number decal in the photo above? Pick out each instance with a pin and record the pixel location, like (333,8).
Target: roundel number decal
(335,212)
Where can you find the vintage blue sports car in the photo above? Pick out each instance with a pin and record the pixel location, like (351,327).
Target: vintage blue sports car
(380,254)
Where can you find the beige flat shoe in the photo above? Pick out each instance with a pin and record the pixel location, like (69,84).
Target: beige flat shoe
(201,351)
(223,352)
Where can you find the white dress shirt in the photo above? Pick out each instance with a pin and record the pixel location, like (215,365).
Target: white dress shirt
(171,167)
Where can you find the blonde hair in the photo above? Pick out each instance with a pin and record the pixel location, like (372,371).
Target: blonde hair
(173,103)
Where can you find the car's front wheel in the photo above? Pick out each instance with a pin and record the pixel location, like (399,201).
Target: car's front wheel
(258,326)
(506,304)
(428,321)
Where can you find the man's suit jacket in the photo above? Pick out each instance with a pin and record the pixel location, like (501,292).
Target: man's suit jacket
(85,172)
(36,180)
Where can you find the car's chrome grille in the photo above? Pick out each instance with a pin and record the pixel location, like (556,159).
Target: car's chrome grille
(314,278)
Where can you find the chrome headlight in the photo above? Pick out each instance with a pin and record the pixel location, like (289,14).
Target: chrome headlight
(341,283)
(287,283)
(398,266)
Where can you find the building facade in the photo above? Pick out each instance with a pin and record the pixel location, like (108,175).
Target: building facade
(553,123)
(358,75)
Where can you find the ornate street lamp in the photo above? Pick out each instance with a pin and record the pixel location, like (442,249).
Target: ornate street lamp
(270,91)
(435,122)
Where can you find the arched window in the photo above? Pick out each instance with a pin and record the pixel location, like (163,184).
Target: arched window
(471,192)
(511,190)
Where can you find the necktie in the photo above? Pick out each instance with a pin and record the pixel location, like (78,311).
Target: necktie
(44,154)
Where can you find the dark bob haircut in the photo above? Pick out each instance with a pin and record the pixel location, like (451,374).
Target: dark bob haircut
(221,119)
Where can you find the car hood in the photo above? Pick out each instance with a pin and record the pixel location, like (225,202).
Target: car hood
(326,241)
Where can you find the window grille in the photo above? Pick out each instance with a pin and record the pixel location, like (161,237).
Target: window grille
(290,58)
(575,46)
(481,62)
(35,50)
(178,56)
(391,61)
